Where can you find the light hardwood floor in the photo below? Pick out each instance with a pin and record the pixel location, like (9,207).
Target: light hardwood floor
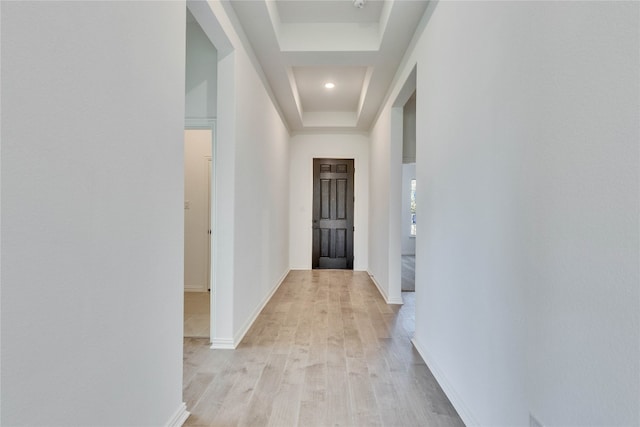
(326,351)
(196,314)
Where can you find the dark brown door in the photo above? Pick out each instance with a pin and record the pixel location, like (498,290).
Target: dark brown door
(333,213)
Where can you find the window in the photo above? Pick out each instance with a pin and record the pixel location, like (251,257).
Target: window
(413,207)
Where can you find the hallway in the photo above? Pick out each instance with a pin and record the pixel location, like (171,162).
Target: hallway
(326,350)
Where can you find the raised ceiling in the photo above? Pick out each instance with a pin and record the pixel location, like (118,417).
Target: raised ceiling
(336,11)
(303,44)
(314,97)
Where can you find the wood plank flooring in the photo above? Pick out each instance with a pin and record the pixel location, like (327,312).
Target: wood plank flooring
(196,314)
(326,351)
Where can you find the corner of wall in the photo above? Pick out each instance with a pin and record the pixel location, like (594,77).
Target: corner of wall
(383,293)
(179,417)
(222,344)
(457,402)
(239,336)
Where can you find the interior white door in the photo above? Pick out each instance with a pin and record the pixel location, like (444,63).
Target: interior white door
(197,210)
(209,264)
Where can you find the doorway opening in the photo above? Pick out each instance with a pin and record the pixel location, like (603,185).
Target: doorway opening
(409,185)
(333,202)
(197,231)
(403,246)
(201,80)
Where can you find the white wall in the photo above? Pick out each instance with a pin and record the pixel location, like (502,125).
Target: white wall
(582,175)
(262,197)
(251,236)
(527,250)
(92,216)
(408,242)
(409,130)
(379,202)
(385,197)
(201,74)
(304,148)
(197,158)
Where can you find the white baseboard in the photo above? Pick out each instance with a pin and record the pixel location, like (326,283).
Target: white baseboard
(382,291)
(385,297)
(457,402)
(396,301)
(237,339)
(222,344)
(179,417)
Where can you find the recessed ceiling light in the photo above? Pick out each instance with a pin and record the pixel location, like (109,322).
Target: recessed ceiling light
(329,85)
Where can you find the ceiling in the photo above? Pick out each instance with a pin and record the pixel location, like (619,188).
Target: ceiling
(303,44)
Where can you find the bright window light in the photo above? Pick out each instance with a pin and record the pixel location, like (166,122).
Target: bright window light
(412,209)
(329,85)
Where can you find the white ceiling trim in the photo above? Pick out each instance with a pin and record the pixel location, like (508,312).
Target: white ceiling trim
(334,119)
(384,16)
(326,40)
(274,17)
(336,37)
(322,11)
(296,93)
(329,37)
(365,89)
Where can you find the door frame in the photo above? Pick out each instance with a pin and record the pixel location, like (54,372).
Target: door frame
(210,124)
(395,190)
(209,167)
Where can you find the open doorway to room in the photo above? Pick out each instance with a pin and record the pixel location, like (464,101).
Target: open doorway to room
(404,184)
(199,166)
(197,232)
(409,226)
